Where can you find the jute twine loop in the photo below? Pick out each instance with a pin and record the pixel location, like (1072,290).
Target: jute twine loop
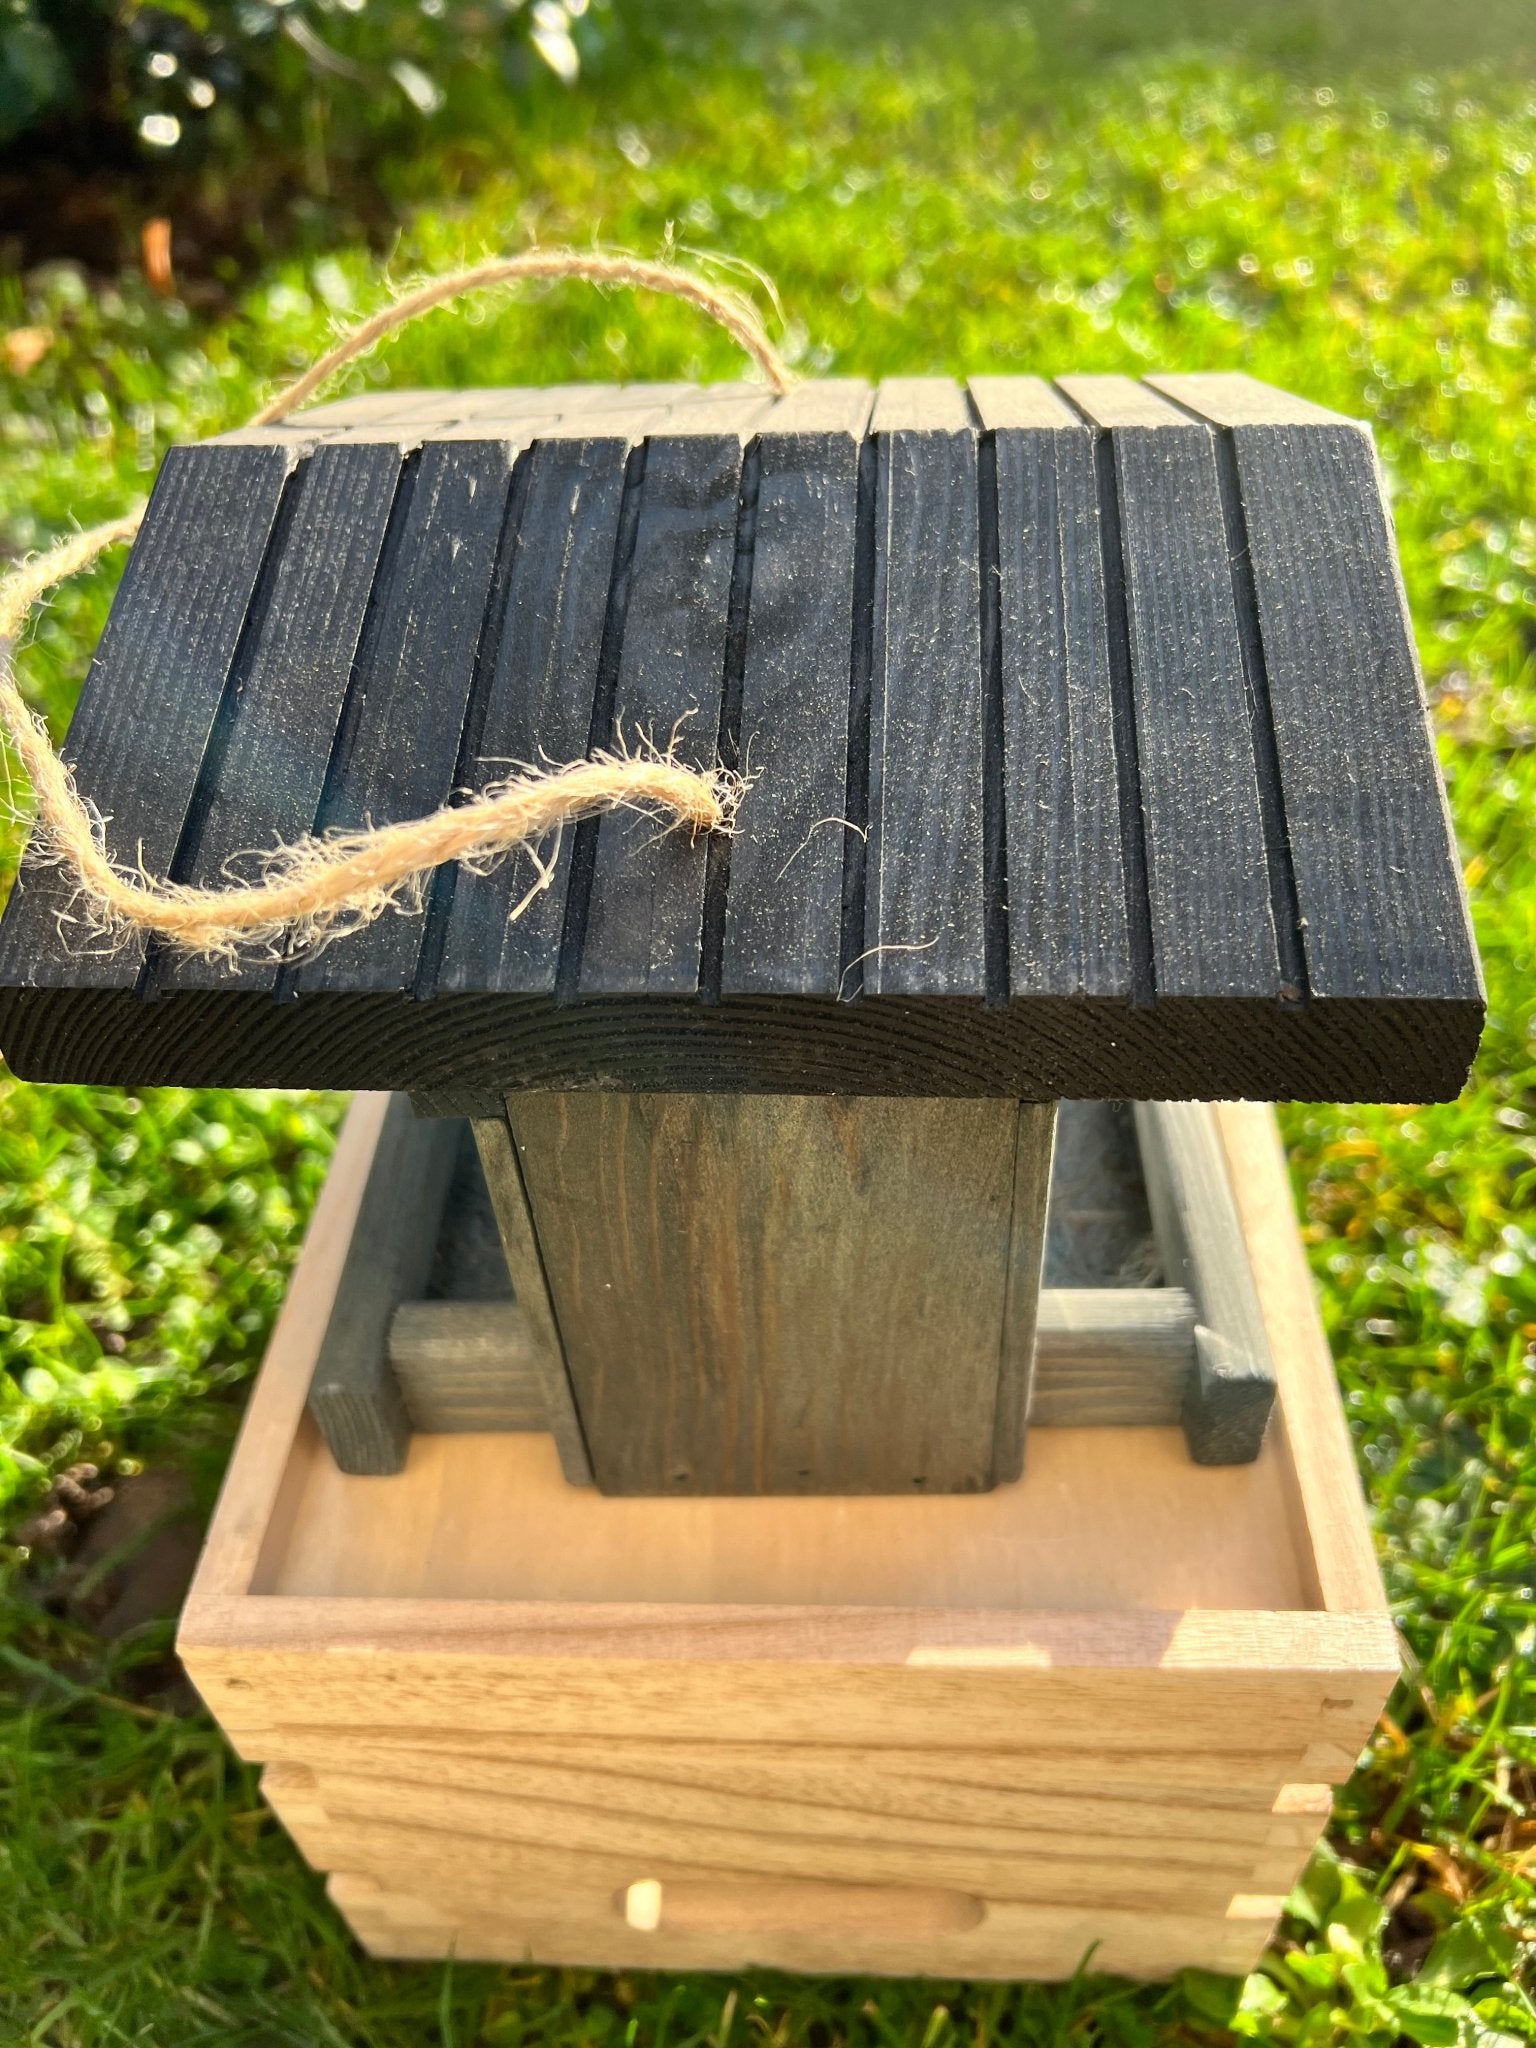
(319,888)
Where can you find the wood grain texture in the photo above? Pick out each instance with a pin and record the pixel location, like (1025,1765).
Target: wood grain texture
(1067,915)
(1034,1146)
(1096,724)
(152,695)
(264,772)
(924,926)
(466,1365)
(1229,1397)
(1209,895)
(461,1055)
(1110,1357)
(1004,404)
(1015,1942)
(353,1395)
(1378,882)
(525,1263)
(521,1844)
(1001,1789)
(754,1293)
(398,745)
(542,689)
(1021,1782)
(643,920)
(1228,399)
(1325,1478)
(783,907)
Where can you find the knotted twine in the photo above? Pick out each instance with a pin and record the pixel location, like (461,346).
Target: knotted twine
(314,890)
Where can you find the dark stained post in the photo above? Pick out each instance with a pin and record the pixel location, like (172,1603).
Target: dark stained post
(791,1294)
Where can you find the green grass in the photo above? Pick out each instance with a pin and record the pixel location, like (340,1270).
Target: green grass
(1357,230)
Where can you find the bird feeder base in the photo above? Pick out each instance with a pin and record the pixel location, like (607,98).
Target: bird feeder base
(1096,1712)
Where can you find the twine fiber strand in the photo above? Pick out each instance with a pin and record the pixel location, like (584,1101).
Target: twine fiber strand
(728,309)
(320,888)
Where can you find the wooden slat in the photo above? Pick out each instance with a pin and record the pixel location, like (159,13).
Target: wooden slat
(1067,909)
(1208,881)
(1273,775)
(398,745)
(1104,1357)
(1313,1436)
(1022,1785)
(709,1257)
(262,778)
(1115,1357)
(509,1199)
(1377,877)
(644,915)
(626,415)
(394,1916)
(1034,1143)
(924,925)
(364,408)
(353,1395)
(1230,1394)
(520,1850)
(1229,399)
(464,1365)
(153,693)
(539,709)
(1118,402)
(711,409)
(822,405)
(1012,403)
(784,903)
(823,1816)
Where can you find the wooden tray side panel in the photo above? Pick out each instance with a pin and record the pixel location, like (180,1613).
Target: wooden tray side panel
(837,1787)
(1012,1941)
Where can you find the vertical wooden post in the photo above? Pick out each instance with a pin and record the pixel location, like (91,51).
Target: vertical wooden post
(1231,1391)
(509,1198)
(354,1398)
(788,1294)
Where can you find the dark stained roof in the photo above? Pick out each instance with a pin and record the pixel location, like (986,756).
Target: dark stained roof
(1090,748)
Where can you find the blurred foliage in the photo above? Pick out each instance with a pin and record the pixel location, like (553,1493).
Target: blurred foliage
(226,75)
(231,112)
(145,1243)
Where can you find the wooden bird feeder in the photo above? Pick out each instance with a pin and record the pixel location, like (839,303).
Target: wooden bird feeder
(1089,760)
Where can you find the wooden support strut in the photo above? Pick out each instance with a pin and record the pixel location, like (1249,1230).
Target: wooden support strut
(790,1294)
(715,1259)
(1231,1392)
(1104,1356)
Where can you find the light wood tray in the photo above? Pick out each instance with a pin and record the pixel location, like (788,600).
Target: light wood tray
(969,1736)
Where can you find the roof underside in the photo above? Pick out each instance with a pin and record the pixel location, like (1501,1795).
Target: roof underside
(1089,749)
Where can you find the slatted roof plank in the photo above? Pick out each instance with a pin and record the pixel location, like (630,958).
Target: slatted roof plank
(153,692)
(1208,881)
(643,923)
(1377,877)
(540,704)
(1213,556)
(1227,398)
(784,900)
(925,916)
(262,779)
(1068,928)
(397,746)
